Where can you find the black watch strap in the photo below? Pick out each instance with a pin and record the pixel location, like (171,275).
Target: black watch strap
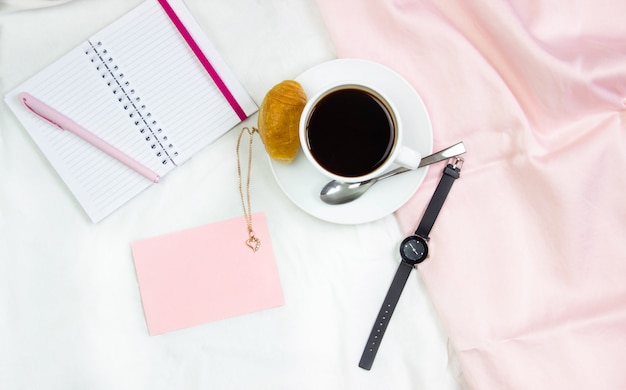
(450,174)
(382,320)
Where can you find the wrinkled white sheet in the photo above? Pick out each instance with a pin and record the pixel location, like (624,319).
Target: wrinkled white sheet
(70,309)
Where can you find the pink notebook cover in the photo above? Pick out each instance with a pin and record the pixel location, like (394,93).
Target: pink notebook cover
(205,273)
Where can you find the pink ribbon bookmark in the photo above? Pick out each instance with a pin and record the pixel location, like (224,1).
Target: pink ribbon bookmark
(202,58)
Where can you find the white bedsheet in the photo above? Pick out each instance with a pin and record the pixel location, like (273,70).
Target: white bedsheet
(70,309)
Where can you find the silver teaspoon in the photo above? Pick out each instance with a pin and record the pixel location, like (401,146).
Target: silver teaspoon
(336,192)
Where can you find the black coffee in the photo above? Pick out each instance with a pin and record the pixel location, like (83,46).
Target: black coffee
(350,132)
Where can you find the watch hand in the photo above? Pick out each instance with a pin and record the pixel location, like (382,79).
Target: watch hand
(414,250)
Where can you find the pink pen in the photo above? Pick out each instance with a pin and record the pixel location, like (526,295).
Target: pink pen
(64,123)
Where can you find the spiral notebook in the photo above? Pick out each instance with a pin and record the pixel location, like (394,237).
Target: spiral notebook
(151,84)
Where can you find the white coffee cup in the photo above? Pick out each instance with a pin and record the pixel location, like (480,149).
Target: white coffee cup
(352,132)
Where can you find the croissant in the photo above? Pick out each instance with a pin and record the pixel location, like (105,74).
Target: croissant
(279,117)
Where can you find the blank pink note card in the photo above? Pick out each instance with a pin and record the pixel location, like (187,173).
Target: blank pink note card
(206,273)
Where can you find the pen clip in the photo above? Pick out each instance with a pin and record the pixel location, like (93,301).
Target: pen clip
(38,108)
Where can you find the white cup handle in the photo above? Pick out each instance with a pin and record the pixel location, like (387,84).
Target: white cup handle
(408,158)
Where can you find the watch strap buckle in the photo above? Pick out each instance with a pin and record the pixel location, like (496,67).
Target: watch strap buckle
(457,163)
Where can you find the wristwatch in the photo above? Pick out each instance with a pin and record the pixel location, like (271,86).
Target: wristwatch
(413,250)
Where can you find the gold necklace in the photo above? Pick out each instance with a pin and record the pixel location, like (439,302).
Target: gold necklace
(252,242)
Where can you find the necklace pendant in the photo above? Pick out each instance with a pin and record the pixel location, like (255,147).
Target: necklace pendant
(253,243)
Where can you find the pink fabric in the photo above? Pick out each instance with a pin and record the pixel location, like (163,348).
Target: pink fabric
(528,257)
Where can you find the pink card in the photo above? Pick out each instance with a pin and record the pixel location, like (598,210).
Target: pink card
(206,273)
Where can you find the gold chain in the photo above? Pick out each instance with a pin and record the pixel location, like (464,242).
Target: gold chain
(252,242)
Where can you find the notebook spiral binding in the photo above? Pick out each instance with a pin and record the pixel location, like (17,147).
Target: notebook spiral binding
(132,103)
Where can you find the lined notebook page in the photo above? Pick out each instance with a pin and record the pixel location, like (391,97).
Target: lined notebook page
(174,86)
(137,85)
(100,183)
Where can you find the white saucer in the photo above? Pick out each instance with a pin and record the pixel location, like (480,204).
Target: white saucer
(302,183)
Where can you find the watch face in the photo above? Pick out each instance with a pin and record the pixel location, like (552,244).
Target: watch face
(414,249)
